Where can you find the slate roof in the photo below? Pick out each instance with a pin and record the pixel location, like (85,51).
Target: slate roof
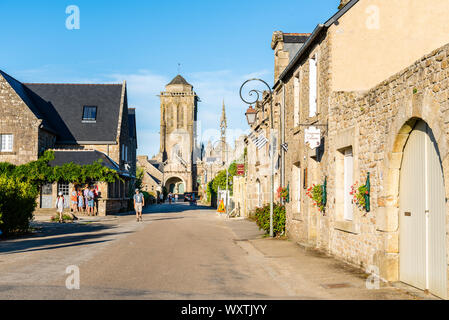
(296,37)
(62,106)
(179,80)
(82,157)
(154,178)
(158,165)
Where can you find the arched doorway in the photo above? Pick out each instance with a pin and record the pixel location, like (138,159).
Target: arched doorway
(422,214)
(175,185)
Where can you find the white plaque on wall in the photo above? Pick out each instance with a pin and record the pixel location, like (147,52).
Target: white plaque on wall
(312,137)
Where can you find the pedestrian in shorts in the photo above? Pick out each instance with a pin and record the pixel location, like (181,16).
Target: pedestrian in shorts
(139,202)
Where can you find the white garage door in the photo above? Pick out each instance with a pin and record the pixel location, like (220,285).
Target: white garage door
(422,214)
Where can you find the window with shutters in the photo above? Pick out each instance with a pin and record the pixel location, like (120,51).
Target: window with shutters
(296,92)
(313,82)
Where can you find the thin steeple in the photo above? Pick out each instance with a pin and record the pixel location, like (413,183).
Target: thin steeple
(223,127)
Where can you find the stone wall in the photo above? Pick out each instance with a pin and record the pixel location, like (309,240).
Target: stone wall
(25,128)
(305,225)
(377,123)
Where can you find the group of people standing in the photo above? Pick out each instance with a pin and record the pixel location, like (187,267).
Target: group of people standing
(84,199)
(171,197)
(81,199)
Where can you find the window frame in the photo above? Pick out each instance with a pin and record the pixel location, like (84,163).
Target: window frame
(89,120)
(11,142)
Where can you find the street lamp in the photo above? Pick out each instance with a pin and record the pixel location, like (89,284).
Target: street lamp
(251,117)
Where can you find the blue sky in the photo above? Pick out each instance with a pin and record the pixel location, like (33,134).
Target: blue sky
(218,43)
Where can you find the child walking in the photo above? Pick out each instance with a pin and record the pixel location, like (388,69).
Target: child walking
(60,205)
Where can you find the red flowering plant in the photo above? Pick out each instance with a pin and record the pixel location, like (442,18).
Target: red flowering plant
(282,193)
(315,192)
(359,194)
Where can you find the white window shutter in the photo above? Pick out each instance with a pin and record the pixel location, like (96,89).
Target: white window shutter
(296,101)
(298,181)
(312,87)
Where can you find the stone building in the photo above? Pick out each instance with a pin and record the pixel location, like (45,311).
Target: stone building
(178,136)
(375,82)
(258,181)
(82,123)
(153,175)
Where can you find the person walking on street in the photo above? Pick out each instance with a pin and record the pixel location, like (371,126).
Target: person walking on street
(60,205)
(161,196)
(169,198)
(176,198)
(139,202)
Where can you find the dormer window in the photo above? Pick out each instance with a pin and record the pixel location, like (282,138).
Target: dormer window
(90,114)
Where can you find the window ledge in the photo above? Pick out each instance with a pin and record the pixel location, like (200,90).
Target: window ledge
(347,226)
(7,153)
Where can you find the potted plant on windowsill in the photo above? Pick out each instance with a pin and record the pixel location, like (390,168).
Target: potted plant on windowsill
(361,195)
(316,194)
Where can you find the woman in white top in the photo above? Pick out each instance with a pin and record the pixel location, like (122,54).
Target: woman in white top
(60,205)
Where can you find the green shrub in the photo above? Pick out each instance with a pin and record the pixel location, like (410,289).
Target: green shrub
(65,217)
(17,204)
(262,218)
(149,198)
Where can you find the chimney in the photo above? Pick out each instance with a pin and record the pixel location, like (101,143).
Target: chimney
(343,3)
(280,56)
(285,46)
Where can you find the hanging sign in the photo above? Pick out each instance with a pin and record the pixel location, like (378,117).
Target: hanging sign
(312,137)
(240,169)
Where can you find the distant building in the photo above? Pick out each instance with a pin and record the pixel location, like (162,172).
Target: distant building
(82,123)
(178,145)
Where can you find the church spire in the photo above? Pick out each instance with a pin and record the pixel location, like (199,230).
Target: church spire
(223,127)
(223,121)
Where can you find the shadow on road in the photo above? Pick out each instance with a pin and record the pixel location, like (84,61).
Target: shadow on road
(54,236)
(174,208)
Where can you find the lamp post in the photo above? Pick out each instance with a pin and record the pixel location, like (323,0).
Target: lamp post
(251,117)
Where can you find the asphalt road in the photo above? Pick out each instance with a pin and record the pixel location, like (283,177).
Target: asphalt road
(178,252)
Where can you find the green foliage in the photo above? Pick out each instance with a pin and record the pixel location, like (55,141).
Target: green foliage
(139,177)
(211,193)
(220,180)
(262,217)
(149,198)
(39,172)
(315,193)
(65,217)
(19,186)
(359,194)
(17,204)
